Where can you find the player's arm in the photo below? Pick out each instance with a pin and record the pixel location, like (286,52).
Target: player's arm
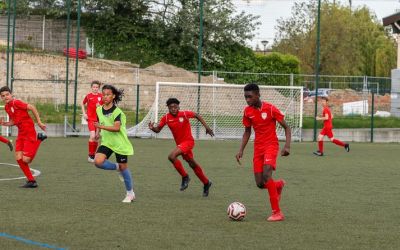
(153,127)
(83,108)
(8,124)
(208,129)
(245,140)
(35,113)
(323,118)
(288,133)
(114,128)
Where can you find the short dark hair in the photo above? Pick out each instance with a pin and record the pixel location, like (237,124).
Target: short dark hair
(95,82)
(325,98)
(5,88)
(172,101)
(252,87)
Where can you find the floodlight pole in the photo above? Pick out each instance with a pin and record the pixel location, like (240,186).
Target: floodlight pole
(77,59)
(199,66)
(8,41)
(13,45)
(317,67)
(67,54)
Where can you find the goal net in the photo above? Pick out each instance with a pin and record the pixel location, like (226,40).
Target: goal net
(221,106)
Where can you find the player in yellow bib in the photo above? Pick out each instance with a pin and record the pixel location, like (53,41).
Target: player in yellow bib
(111,126)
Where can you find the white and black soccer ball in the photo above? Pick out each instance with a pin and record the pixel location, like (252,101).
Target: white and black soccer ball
(236,211)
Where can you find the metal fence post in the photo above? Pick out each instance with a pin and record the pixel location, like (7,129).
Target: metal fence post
(137,103)
(372,116)
(43,30)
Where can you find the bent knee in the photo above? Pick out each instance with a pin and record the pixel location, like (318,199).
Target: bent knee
(171,158)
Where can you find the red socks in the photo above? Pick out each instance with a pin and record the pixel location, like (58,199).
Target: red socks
(25,168)
(92,147)
(179,167)
(273,195)
(199,172)
(339,142)
(4,140)
(321,146)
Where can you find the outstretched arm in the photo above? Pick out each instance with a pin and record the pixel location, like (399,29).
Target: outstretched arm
(245,140)
(208,129)
(36,115)
(8,124)
(288,133)
(153,128)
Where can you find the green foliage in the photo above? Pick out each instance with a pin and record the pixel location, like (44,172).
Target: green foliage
(353,42)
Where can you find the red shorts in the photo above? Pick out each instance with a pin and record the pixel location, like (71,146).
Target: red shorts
(186,148)
(28,146)
(90,124)
(265,156)
(327,131)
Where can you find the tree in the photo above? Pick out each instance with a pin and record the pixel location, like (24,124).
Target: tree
(352,41)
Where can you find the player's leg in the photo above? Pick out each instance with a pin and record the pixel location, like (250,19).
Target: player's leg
(122,161)
(6,141)
(173,158)
(338,142)
(199,172)
(320,151)
(93,143)
(26,150)
(101,159)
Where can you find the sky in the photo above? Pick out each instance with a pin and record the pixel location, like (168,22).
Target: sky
(271,10)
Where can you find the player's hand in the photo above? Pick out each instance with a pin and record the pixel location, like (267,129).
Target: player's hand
(285,151)
(239,156)
(42,126)
(209,131)
(151,125)
(97,124)
(85,116)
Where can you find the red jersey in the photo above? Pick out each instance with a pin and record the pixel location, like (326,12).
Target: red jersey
(327,123)
(17,110)
(179,125)
(263,120)
(92,101)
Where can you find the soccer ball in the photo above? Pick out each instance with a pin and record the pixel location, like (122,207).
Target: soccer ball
(236,211)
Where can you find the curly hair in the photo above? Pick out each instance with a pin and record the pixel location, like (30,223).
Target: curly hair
(119,93)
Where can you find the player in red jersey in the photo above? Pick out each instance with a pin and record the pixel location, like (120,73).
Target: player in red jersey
(179,124)
(28,141)
(92,101)
(327,129)
(262,116)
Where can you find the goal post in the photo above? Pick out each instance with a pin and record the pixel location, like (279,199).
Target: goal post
(221,106)
(5,130)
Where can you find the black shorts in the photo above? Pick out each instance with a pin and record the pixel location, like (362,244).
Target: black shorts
(108,152)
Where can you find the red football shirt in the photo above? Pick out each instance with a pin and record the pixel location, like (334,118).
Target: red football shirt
(17,110)
(327,123)
(263,120)
(179,125)
(92,101)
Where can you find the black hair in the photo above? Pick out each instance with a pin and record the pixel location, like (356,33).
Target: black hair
(252,87)
(95,82)
(325,98)
(5,88)
(119,93)
(172,101)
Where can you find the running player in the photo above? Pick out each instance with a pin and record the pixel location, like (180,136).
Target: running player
(179,124)
(92,101)
(262,116)
(112,124)
(327,129)
(28,141)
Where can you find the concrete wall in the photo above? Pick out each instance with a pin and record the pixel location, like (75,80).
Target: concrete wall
(41,33)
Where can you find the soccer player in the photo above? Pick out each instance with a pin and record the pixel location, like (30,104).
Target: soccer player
(327,129)
(28,141)
(262,116)
(112,127)
(179,124)
(7,141)
(92,101)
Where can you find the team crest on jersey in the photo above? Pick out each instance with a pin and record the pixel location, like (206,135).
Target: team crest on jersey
(180,119)
(264,115)
(99,98)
